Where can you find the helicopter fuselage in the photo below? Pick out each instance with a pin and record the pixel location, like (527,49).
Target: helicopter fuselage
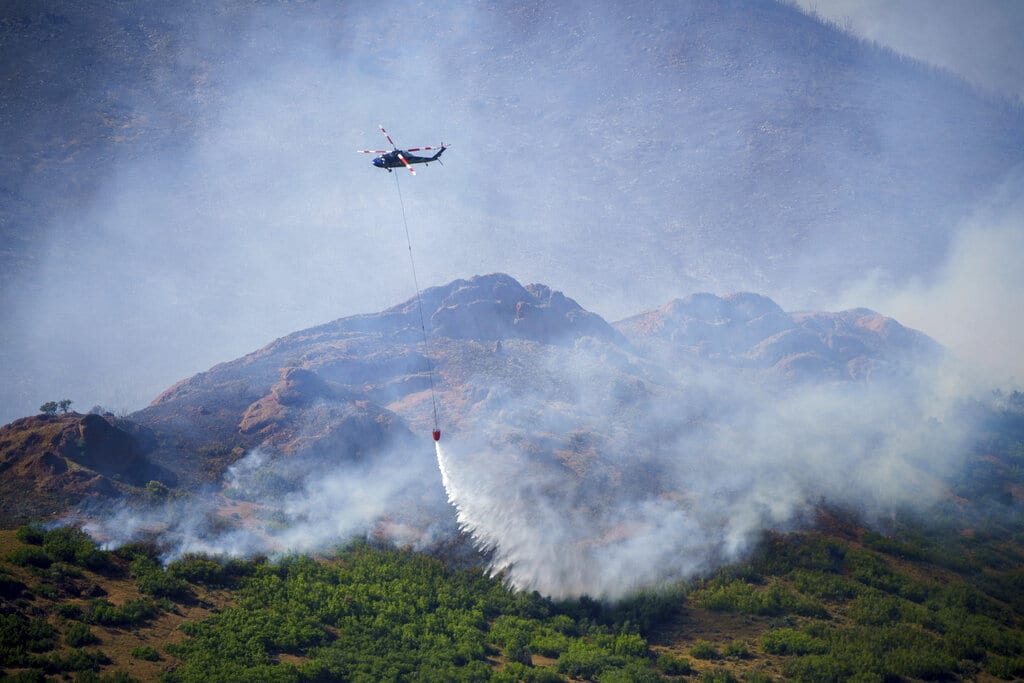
(391,159)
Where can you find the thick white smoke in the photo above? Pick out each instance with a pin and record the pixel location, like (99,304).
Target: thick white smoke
(271,505)
(701,493)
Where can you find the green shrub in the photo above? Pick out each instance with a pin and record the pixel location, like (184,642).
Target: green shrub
(30,556)
(674,666)
(133,551)
(76,660)
(630,645)
(702,649)
(781,554)
(875,609)
(147,653)
(775,599)
(586,660)
(632,672)
(521,673)
(548,643)
(32,534)
(19,634)
(157,491)
(78,634)
(872,571)
(68,610)
(737,649)
(45,590)
(116,677)
(1005,667)
(153,579)
(825,669)
(74,546)
(198,569)
(131,613)
(788,641)
(825,586)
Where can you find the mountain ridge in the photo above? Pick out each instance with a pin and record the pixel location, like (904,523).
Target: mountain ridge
(485,321)
(360,385)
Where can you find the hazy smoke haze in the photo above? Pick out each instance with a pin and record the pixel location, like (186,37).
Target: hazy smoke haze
(972,303)
(182,185)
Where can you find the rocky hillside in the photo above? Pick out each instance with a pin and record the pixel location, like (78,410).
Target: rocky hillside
(49,462)
(499,350)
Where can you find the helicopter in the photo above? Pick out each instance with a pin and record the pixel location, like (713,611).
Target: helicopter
(396,158)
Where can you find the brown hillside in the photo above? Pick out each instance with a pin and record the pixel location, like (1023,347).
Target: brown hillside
(50,463)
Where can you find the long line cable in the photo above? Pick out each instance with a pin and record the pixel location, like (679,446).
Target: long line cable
(419,301)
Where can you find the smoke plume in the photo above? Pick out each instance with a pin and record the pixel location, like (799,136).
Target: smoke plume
(268,504)
(679,490)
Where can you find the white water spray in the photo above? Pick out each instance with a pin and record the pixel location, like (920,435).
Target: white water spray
(534,527)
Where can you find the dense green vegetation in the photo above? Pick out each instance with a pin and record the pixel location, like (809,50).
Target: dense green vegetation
(908,605)
(373,614)
(365,613)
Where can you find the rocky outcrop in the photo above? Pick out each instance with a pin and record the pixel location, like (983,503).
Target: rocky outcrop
(495,307)
(303,414)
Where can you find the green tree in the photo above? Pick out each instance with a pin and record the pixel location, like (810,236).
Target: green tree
(49,408)
(64,404)
(156,490)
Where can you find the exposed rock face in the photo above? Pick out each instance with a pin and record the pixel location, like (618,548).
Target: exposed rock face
(503,362)
(49,462)
(494,307)
(302,414)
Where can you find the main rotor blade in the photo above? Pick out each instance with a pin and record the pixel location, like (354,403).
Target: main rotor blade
(390,141)
(421,149)
(373,151)
(407,164)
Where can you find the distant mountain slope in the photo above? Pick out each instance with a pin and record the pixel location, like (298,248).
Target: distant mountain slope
(730,143)
(751,331)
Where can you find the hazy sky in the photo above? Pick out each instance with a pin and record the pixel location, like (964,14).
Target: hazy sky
(982,40)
